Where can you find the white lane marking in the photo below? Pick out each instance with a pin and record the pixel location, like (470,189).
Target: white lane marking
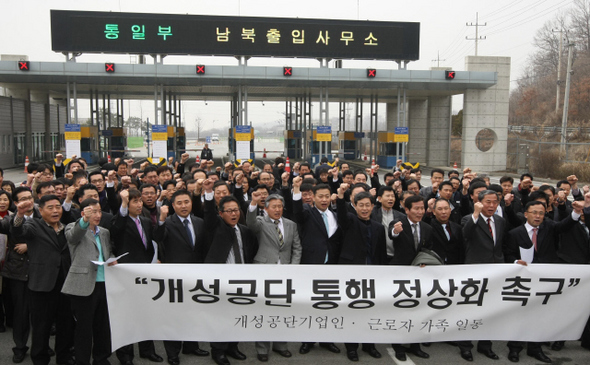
(408,361)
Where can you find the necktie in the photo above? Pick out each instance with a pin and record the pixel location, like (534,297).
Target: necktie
(490,227)
(281,242)
(236,246)
(138,224)
(448,229)
(416,238)
(188,232)
(325,217)
(535,230)
(260,212)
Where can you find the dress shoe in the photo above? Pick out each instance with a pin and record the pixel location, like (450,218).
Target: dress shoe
(305,348)
(557,345)
(236,354)
(196,352)
(262,357)
(426,344)
(401,356)
(373,352)
(18,357)
(489,353)
(220,358)
(153,357)
(283,353)
(330,347)
(352,355)
(540,356)
(466,355)
(419,353)
(513,356)
(174,360)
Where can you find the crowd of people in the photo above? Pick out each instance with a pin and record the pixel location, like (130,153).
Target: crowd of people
(63,217)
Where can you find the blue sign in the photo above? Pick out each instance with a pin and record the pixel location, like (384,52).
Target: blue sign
(296,134)
(72,128)
(208,139)
(401,130)
(107,133)
(159,129)
(324,129)
(359,134)
(242,129)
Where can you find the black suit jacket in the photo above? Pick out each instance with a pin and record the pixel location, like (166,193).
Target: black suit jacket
(48,251)
(176,247)
(404,250)
(125,238)
(452,250)
(479,244)
(314,237)
(354,250)
(220,238)
(547,241)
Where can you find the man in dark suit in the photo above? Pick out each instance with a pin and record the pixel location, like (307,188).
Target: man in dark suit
(85,284)
(536,242)
(484,234)
(447,236)
(228,243)
(409,236)
(182,236)
(132,234)
(320,236)
(49,263)
(363,243)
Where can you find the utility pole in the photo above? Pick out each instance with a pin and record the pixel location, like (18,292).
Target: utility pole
(566,98)
(438,59)
(558,69)
(476,25)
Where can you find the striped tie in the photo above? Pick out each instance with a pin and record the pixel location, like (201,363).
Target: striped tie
(281,242)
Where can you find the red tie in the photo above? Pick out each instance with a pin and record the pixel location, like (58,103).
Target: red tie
(535,237)
(490,227)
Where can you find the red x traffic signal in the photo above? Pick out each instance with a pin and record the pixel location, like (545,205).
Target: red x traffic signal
(450,75)
(371,72)
(23,65)
(200,69)
(287,71)
(109,67)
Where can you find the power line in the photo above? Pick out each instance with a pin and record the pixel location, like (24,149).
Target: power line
(476,25)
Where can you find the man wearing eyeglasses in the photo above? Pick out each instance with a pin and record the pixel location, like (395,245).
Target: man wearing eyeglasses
(97,179)
(229,243)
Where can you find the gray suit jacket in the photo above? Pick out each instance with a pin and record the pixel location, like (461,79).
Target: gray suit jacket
(82,244)
(269,250)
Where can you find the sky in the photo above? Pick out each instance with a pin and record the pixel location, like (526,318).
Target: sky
(510,27)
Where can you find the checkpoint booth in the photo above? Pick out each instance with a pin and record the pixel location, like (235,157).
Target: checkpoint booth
(89,143)
(171,141)
(241,142)
(320,138)
(117,141)
(293,143)
(391,146)
(349,144)
(82,141)
(180,141)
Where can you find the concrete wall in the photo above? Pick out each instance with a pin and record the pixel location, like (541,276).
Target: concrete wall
(486,109)
(439,130)
(418,130)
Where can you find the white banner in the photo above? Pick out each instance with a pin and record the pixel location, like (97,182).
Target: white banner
(339,303)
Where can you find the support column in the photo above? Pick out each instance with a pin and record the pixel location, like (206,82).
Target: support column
(418,127)
(439,131)
(486,110)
